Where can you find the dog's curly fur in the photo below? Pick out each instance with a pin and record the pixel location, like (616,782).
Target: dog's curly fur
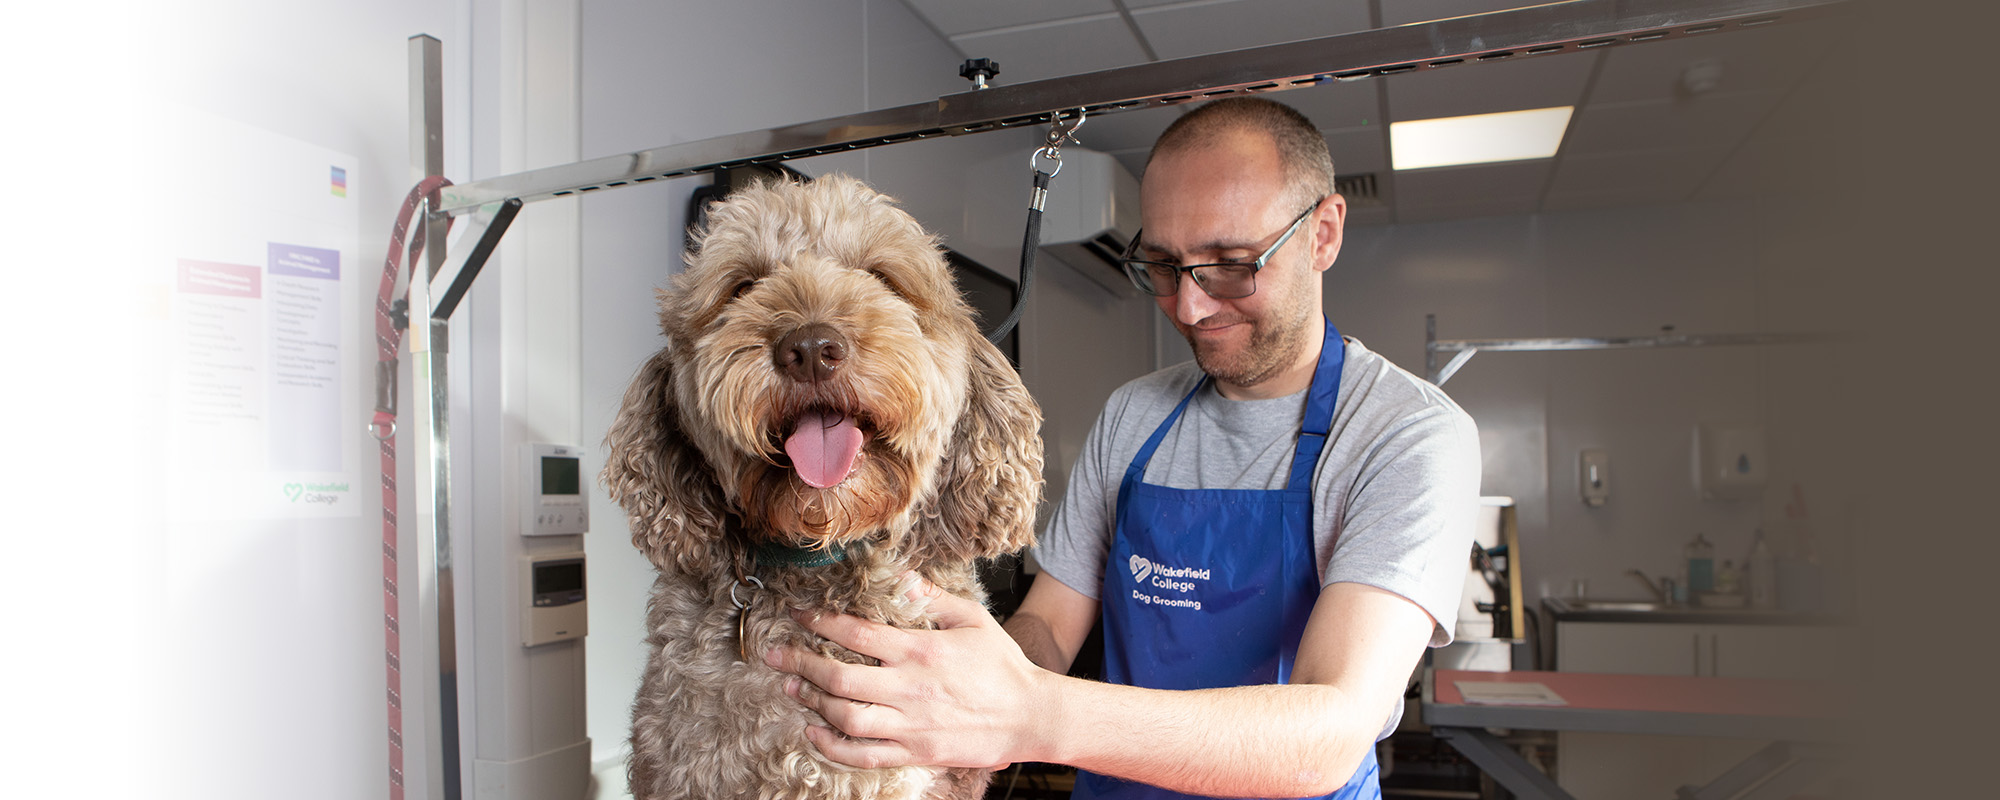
(950,472)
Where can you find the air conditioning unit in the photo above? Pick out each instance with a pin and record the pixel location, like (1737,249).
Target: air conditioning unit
(1091,214)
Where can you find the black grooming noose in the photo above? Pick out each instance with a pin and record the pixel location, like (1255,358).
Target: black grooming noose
(1031,240)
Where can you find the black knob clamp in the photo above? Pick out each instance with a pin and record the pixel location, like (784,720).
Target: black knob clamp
(978,70)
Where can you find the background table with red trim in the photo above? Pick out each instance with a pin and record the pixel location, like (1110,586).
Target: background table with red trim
(1804,720)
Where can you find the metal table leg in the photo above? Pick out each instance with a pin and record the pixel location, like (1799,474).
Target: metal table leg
(1500,761)
(1773,773)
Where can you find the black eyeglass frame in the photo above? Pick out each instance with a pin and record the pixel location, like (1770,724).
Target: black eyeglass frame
(1136,268)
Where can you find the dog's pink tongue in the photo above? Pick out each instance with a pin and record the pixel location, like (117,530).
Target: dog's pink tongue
(823,447)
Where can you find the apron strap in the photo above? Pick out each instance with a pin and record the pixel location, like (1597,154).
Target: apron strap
(1136,471)
(1160,433)
(1319,410)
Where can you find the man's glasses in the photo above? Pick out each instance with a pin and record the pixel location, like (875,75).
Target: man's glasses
(1224,281)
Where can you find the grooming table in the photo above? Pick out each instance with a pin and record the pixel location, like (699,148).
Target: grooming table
(1800,718)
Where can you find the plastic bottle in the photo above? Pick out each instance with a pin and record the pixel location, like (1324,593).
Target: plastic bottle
(1728,580)
(1763,573)
(1700,567)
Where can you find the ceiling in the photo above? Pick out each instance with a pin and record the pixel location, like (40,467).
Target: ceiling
(1639,135)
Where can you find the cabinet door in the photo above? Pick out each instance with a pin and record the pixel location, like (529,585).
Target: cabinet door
(1633,648)
(1783,651)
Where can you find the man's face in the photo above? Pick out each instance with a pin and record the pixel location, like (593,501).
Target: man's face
(1225,201)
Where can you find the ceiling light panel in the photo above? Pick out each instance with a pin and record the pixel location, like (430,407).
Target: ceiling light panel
(1478,139)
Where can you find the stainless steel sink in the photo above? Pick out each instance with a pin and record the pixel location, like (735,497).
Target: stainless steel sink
(1615,605)
(1647,610)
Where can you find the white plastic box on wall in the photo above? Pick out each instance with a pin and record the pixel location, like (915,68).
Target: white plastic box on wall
(1730,462)
(1091,214)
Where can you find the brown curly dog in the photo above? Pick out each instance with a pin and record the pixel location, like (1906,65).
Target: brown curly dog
(824,417)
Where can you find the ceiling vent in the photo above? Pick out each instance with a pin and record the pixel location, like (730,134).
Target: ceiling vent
(1358,189)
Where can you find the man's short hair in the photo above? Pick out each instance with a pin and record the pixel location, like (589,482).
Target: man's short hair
(1302,151)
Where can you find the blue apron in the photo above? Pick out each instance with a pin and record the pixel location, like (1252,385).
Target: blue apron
(1207,588)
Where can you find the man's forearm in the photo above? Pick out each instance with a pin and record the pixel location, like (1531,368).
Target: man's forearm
(1261,741)
(1038,642)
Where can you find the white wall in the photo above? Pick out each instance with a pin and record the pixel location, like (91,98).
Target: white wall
(1700,267)
(1755,256)
(190,647)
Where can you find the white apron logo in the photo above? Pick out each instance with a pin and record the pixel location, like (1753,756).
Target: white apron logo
(1149,577)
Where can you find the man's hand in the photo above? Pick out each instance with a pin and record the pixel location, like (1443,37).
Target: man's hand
(960,696)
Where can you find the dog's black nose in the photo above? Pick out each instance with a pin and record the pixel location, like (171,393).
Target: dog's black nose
(810,354)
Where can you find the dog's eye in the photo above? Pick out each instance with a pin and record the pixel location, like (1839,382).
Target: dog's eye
(883,276)
(742,288)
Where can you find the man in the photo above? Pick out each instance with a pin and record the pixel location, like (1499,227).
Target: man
(1271,538)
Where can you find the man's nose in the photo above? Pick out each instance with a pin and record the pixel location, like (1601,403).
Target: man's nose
(1192,303)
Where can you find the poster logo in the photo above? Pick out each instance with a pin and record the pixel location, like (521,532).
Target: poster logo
(326,494)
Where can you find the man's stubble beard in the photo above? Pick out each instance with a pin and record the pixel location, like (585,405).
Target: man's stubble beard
(1274,342)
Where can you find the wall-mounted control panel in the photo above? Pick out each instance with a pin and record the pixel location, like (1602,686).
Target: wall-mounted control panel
(553,486)
(557,608)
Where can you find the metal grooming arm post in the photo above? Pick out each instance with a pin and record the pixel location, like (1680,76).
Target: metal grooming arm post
(490,204)
(1463,349)
(450,270)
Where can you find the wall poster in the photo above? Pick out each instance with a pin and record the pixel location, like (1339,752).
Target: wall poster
(263,393)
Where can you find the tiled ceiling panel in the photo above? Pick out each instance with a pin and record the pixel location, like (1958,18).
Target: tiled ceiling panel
(1332,106)
(1716,120)
(1487,88)
(1448,185)
(1637,136)
(1631,178)
(1483,190)
(1402,12)
(1359,150)
(1771,59)
(1054,50)
(1186,29)
(1128,130)
(954,17)
(1787,147)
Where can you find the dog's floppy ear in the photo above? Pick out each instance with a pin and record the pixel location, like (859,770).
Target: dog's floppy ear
(658,476)
(992,482)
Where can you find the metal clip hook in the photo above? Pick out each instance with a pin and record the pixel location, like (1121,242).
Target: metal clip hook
(1052,148)
(1058,133)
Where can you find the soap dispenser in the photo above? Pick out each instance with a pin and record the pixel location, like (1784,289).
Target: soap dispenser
(1700,566)
(1763,574)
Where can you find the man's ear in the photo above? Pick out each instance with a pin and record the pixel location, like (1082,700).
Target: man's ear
(1329,229)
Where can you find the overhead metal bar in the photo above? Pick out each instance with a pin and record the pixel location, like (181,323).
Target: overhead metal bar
(1531,32)
(1465,348)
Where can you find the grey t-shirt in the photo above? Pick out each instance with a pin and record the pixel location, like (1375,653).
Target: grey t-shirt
(1395,494)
